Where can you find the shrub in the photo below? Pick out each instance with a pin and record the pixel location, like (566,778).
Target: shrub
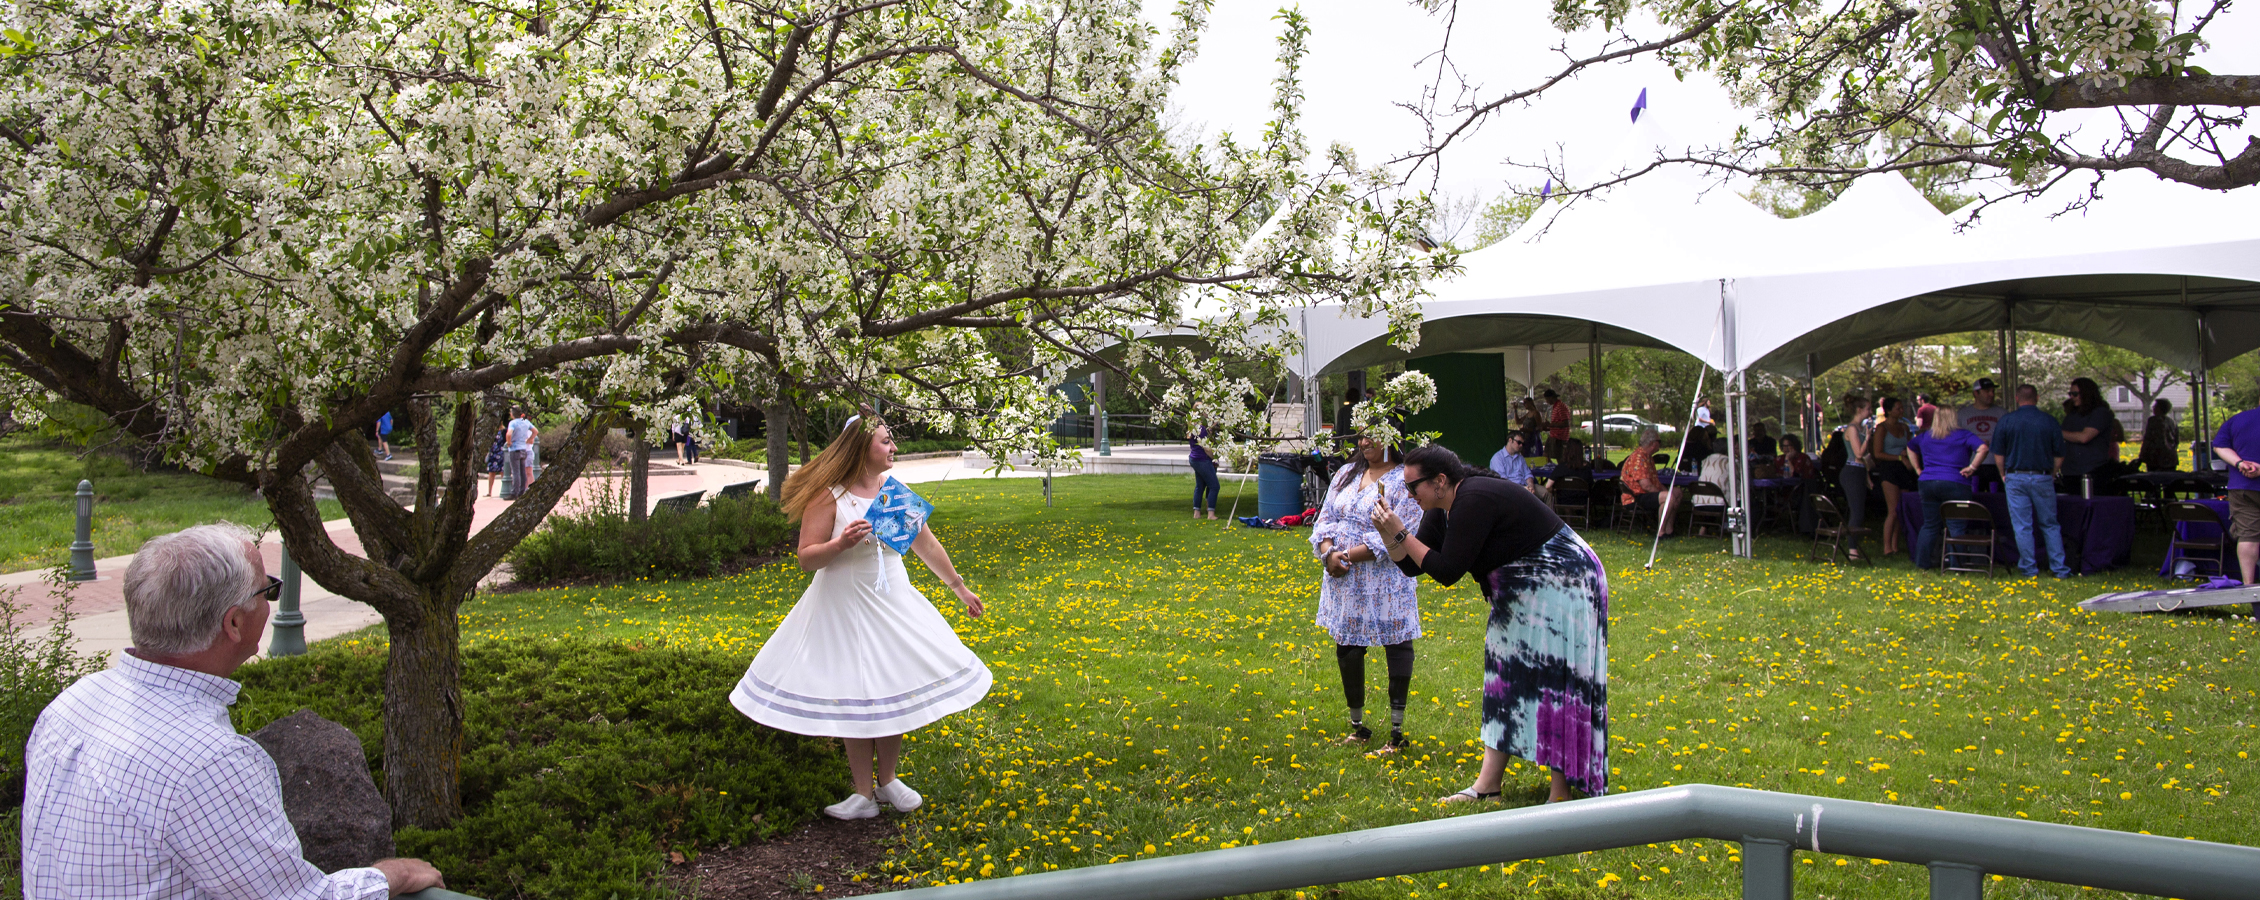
(597,540)
(586,764)
(32,672)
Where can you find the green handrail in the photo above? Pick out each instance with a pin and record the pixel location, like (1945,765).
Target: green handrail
(1959,848)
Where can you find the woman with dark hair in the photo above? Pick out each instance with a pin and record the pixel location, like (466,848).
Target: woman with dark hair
(1853,476)
(2090,428)
(1529,423)
(1887,446)
(1205,484)
(1546,648)
(1363,601)
(2161,439)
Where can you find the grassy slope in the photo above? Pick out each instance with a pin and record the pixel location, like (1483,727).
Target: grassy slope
(38,487)
(1161,690)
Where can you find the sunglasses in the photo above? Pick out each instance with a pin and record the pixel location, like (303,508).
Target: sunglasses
(271,592)
(1417,482)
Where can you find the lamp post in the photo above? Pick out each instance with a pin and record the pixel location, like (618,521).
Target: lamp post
(290,624)
(82,549)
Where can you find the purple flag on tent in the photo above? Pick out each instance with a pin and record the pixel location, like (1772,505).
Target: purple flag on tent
(1640,104)
(1547,191)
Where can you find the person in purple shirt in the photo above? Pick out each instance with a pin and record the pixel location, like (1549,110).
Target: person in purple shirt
(2239,444)
(1947,456)
(1205,484)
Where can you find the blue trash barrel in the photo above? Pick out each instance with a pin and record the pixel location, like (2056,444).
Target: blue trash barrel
(1279,485)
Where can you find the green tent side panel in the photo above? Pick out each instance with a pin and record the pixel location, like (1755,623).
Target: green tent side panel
(1470,415)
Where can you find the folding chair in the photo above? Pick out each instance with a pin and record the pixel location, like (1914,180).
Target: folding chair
(2214,552)
(1976,542)
(1573,501)
(1711,516)
(1831,531)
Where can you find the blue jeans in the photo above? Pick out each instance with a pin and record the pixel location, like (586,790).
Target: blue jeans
(1205,484)
(1935,493)
(2032,505)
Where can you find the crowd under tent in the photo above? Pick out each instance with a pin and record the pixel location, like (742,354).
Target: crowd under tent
(1671,261)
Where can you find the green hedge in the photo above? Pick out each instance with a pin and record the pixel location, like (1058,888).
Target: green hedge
(586,763)
(600,542)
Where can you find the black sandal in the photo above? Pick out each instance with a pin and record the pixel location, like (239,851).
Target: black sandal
(1396,743)
(1359,734)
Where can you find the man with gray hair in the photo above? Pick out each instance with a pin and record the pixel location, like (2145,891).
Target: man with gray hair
(139,786)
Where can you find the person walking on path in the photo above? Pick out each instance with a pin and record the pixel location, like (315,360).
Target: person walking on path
(1205,484)
(1546,646)
(2031,445)
(1948,456)
(2238,444)
(516,472)
(1979,418)
(137,784)
(1557,424)
(1363,601)
(495,458)
(863,657)
(384,427)
(1854,476)
(2161,439)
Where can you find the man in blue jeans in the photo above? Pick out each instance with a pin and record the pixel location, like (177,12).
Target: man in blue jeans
(2031,447)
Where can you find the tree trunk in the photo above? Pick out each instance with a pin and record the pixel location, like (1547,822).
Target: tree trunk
(420,566)
(639,473)
(423,714)
(775,419)
(800,419)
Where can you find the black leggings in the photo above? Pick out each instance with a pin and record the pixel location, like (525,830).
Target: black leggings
(1351,659)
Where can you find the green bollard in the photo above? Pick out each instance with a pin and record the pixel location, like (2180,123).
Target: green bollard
(290,624)
(82,550)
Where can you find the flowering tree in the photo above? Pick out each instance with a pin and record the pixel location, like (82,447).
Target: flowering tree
(245,230)
(1978,88)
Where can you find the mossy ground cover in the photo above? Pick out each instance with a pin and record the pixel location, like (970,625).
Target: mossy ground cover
(1161,690)
(38,512)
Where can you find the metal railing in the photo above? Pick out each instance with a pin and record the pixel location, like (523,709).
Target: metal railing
(1960,849)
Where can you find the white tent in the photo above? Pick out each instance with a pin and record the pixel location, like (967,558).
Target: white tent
(1670,261)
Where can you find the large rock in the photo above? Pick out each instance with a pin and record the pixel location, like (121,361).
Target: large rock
(341,820)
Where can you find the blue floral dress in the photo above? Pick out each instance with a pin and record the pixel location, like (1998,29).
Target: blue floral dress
(1374,605)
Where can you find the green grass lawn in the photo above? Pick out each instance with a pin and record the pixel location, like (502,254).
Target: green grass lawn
(1161,690)
(38,513)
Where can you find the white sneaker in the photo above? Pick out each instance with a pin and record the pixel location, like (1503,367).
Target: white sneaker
(856,806)
(898,795)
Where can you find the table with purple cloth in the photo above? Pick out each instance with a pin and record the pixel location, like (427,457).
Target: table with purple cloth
(2197,531)
(2098,531)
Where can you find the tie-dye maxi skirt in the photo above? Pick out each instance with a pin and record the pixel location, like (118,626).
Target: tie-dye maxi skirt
(1546,662)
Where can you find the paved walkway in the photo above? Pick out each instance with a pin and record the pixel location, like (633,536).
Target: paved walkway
(99,605)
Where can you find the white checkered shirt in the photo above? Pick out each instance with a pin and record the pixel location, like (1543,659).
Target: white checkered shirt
(139,787)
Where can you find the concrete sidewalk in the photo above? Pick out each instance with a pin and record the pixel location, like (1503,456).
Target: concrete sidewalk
(100,623)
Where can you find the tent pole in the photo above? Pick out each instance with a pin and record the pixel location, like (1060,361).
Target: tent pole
(1812,404)
(2201,405)
(1738,417)
(1593,379)
(1530,371)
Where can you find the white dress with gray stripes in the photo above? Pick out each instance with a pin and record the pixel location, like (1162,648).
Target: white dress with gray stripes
(863,654)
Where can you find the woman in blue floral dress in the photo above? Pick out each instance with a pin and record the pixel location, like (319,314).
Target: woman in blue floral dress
(1363,601)
(1546,647)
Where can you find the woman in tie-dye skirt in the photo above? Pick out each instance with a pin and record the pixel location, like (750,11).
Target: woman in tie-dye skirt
(1546,647)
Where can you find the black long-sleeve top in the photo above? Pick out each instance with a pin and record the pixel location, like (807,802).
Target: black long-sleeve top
(1492,522)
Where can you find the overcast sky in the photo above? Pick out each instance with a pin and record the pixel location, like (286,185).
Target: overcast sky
(1366,55)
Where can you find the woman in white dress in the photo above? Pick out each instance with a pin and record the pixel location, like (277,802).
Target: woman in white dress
(863,656)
